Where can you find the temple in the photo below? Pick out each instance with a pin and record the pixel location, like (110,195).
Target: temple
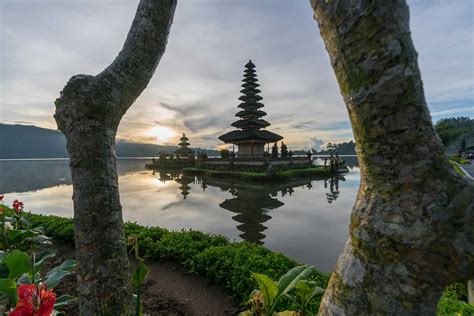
(183,152)
(250,137)
(183,157)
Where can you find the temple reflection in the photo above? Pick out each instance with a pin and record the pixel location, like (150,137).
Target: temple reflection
(164,175)
(252,208)
(251,203)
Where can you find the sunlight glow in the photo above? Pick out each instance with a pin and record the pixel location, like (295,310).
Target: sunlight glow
(162,133)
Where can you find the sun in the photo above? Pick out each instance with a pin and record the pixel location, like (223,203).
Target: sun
(162,133)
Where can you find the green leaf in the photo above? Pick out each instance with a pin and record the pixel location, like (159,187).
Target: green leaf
(24,279)
(67,265)
(20,235)
(42,257)
(139,274)
(54,276)
(306,290)
(64,300)
(8,288)
(18,262)
(268,287)
(4,271)
(288,280)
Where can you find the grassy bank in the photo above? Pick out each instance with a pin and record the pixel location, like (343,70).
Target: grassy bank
(456,168)
(213,257)
(225,263)
(246,176)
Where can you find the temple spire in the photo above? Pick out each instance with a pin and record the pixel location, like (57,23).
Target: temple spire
(250,137)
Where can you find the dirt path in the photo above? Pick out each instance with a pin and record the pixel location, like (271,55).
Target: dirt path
(167,290)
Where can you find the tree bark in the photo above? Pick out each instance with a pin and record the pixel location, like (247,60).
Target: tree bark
(412,226)
(88,112)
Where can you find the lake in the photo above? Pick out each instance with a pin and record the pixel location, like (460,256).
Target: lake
(306,220)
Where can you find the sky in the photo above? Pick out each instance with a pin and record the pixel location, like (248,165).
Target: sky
(196,86)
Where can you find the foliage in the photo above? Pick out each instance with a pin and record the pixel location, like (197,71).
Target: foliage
(275,150)
(225,153)
(344,148)
(264,301)
(139,273)
(460,160)
(22,258)
(451,130)
(453,301)
(456,291)
(226,264)
(462,146)
(283,150)
(305,291)
(456,168)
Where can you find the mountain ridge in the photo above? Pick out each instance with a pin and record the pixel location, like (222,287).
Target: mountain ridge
(19,141)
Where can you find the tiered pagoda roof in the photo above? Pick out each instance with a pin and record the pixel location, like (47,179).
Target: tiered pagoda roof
(250,122)
(183,147)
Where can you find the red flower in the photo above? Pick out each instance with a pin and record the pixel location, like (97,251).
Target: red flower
(18,206)
(34,301)
(1,197)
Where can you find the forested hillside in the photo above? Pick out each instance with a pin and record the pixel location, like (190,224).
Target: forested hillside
(453,130)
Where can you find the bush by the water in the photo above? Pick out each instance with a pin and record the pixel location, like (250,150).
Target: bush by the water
(222,262)
(225,263)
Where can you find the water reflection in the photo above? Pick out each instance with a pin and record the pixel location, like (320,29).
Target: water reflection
(251,202)
(32,175)
(333,193)
(306,220)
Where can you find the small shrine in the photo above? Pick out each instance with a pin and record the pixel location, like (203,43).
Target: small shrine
(183,152)
(183,157)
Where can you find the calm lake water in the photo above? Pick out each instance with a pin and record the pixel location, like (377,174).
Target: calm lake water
(306,220)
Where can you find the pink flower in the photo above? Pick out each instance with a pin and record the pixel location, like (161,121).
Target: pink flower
(17,206)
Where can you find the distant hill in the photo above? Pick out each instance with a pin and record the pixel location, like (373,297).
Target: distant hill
(453,130)
(27,141)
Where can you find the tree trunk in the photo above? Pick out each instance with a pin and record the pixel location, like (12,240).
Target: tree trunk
(88,112)
(412,226)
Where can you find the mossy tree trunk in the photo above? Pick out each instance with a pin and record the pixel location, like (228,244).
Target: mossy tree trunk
(412,226)
(88,112)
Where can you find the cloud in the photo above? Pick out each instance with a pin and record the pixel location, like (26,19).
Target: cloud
(197,83)
(316,143)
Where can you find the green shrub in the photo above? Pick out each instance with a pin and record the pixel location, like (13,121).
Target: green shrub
(457,291)
(224,263)
(452,307)
(454,301)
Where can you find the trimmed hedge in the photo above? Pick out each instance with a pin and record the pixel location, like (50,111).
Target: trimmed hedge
(224,263)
